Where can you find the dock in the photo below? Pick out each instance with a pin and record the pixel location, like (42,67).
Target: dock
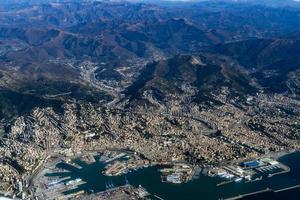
(116,157)
(225,182)
(76,165)
(285,168)
(254,180)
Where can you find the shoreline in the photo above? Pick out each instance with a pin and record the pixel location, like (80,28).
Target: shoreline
(277,156)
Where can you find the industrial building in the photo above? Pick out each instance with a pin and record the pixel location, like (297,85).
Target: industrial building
(250,164)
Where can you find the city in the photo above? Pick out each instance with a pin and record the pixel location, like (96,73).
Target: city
(149,99)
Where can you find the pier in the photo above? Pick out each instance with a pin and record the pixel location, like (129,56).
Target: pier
(285,168)
(225,182)
(114,158)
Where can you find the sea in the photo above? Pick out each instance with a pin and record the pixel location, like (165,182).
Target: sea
(202,188)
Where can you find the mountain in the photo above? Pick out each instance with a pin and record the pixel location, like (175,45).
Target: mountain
(274,62)
(199,78)
(199,84)
(94,50)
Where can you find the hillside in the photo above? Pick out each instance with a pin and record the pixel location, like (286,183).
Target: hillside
(200,79)
(274,62)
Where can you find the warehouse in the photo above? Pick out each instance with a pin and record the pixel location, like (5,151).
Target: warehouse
(251,164)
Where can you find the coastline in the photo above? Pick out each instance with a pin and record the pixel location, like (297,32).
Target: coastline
(56,159)
(269,193)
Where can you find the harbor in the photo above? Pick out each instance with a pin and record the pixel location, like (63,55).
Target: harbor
(249,171)
(177,181)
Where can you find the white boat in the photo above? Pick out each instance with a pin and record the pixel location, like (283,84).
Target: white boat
(238,180)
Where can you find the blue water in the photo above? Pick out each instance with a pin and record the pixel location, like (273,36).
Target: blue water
(203,188)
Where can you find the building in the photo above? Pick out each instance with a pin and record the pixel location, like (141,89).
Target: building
(251,164)
(273,162)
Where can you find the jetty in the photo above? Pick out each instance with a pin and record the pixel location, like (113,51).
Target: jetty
(249,194)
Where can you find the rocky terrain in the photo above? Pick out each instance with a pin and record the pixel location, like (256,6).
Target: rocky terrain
(106,44)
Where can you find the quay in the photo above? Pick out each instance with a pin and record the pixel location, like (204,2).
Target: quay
(114,158)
